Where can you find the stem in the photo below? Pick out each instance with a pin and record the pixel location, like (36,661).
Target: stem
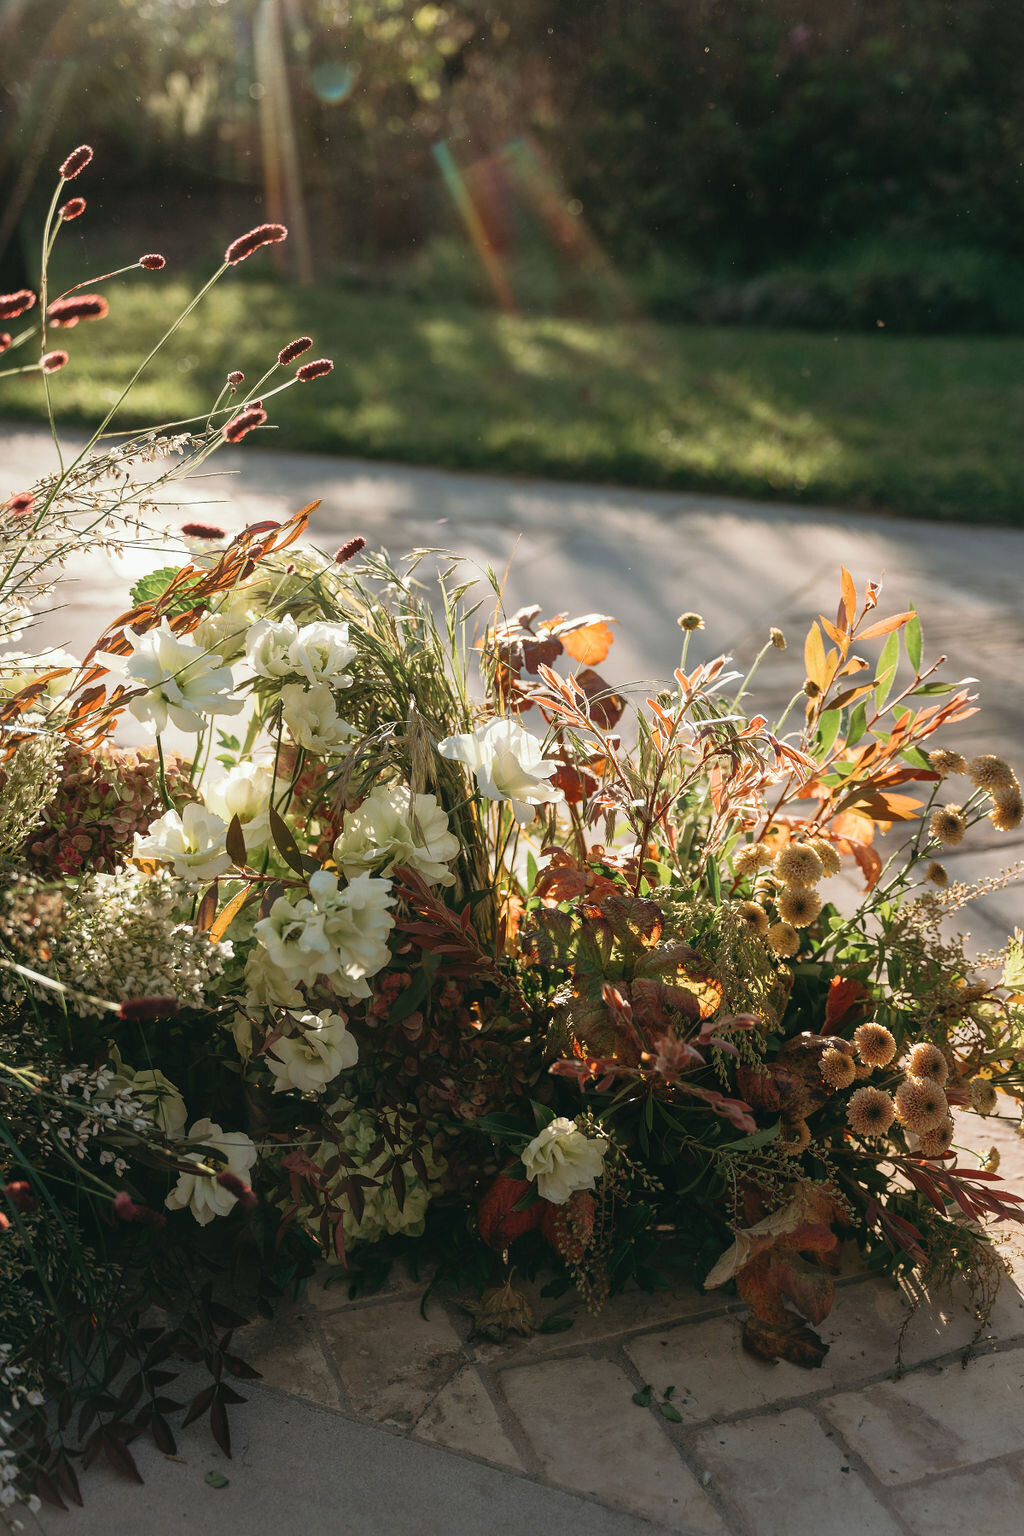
(43,279)
(165,797)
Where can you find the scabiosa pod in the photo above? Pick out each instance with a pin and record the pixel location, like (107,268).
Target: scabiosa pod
(14,304)
(314,370)
(76,162)
(293,350)
(153,261)
(245,245)
(72,209)
(84,306)
(53,362)
(235,429)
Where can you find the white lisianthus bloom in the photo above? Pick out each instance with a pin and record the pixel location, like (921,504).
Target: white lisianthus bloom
(321,652)
(245,792)
(295,941)
(357,924)
(199,1192)
(267,645)
(266,985)
(562,1160)
(160,1099)
(394,826)
(313,720)
(508,764)
(193,842)
(183,682)
(313,1056)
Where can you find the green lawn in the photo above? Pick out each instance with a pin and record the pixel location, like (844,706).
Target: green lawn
(925,426)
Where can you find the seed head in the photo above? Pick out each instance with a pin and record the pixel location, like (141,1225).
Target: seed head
(754,917)
(983,1095)
(153,261)
(992,1161)
(1007,810)
(76,162)
(314,370)
(263,234)
(53,362)
(811,688)
(799,905)
(14,304)
(783,940)
(798,865)
(777,638)
(236,377)
(349,550)
(937,874)
(944,763)
(947,825)
(689,621)
(21,503)
(136,1010)
(72,209)
(202,531)
(875,1045)
(920,1105)
(244,422)
(19,1193)
(83,306)
(990,772)
(837,1068)
(5,341)
(293,350)
(870,1112)
(242,1192)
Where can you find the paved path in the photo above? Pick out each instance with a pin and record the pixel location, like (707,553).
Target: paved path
(371,1418)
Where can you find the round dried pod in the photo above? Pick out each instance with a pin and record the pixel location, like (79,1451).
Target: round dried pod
(754,917)
(831,863)
(749,858)
(1007,811)
(938,1142)
(944,763)
(794,1136)
(870,1112)
(937,874)
(990,772)
(926,1060)
(798,865)
(983,1095)
(992,1161)
(837,1068)
(920,1105)
(947,824)
(799,905)
(690,621)
(875,1044)
(783,940)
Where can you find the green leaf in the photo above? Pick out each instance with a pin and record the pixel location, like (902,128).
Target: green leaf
(927,689)
(885,672)
(284,842)
(858,723)
(828,730)
(531,872)
(149,589)
(754,1140)
(643,1397)
(215,1479)
(558,1322)
(714,881)
(671,1412)
(542,1114)
(914,641)
(506,1128)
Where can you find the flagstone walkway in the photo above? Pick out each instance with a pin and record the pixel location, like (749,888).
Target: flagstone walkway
(372,1417)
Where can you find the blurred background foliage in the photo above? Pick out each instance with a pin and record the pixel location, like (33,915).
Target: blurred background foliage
(817,163)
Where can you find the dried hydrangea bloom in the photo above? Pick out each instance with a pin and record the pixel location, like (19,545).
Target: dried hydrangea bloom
(875,1044)
(799,905)
(783,940)
(983,1095)
(920,1105)
(926,1060)
(837,1068)
(990,772)
(944,763)
(938,1142)
(1007,811)
(870,1112)
(748,859)
(799,865)
(754,917)
(947,824)
(937,874)
(794,1136)
(831,863)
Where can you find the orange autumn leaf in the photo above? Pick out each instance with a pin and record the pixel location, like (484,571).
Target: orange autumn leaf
(886,626)
(587,640)
(846,999)
(814,658)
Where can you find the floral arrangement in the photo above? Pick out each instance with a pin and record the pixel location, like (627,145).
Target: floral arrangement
(430,941)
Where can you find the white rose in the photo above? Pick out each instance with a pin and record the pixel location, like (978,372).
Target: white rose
(160,1099)
(357,924)
(394,826)
(183,681)
(227,626)
(312,1057)
(199,1192)
(562,1159)
(313,720)
(508,765)
(321,652)
(266,985)
(267,645)
(295,941)
(244,792)
(193,842)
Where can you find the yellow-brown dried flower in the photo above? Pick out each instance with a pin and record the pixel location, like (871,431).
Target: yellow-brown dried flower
(690,621)
(983,1095)
(938,1142)
(947,824)
(992,1161)
(870,1112)
(831,863)
(990,772)
(749,858)
(937,874)
(1007,811)
(777,638)
(944,763)
(837,1068)
(799,905)
(783,940)
(920,1105)
(926,1060)
(798,865)
(875,1044)
(754,916)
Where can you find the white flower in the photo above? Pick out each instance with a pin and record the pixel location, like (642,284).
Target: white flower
(394,826)
(357,924)
(199,1192)
(267,645)
(226,627)
(244,792)
(193,842)
(321,652)
(266,985)
(562,1159)
(183,681)
(313,1057)
(313,720)
(160,1099)
(295,941)
(18,669)
(508,765)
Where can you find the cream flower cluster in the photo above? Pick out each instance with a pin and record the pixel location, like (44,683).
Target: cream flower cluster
(312,1056)
(184,683)
(393,827)
(563,1159)
(508,764)
(341,933)
(200,1193)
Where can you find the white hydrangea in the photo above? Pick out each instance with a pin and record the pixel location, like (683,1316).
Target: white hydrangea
(360,1130)
(314,1054)
(192,842)
(508,764)
(313,720)
(395,827)
(199,1192)
(183,682)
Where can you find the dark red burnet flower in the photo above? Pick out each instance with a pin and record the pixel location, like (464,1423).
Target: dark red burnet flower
(202,531)
(235,429)
(53,362)
(81,306)
(236,377)
(243,1193)
(21,503)
(14,304)
(128,1211)
(20,1195)
(72,209)
(153,261)
(314,370)
(263,234)
(5,340)
(76,162)
(294,349)
(135,1010)
(347,551)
